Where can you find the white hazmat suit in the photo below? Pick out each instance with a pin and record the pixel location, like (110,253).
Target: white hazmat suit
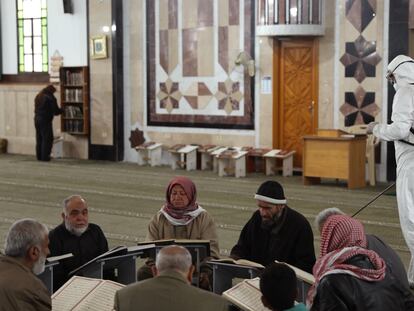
(401,70)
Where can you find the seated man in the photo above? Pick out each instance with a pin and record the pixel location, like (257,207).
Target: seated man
(170,289)
(278,285)
(276,232)
(374,243)
(77,236)
(26,249)
(349,277)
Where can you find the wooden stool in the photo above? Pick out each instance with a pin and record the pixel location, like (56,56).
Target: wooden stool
(255,159)
(214,154)
(232,162)
(184,157)
(287,158)
(206,156)
(149,153)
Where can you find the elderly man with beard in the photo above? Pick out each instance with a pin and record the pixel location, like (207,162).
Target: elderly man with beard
(276,232)
(77,236)
(26,249)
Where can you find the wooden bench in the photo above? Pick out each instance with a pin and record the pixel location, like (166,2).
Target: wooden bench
(149,153)
(271,162)
(232,162)
(207,158)
(184,156)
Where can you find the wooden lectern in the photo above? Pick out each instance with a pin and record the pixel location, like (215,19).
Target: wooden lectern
(334,154)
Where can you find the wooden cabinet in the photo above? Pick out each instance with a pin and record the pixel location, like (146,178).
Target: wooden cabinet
(334,154)
(74,95)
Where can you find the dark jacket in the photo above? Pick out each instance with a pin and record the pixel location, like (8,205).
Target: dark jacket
(46,106)
(391,258)
(290,241)
(343,292)
(89,245)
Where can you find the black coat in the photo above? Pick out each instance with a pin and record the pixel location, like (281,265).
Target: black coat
(292,243)
(89,245)
(343,292)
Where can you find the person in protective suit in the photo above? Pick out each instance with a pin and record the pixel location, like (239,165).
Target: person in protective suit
(45,108)
(400,131)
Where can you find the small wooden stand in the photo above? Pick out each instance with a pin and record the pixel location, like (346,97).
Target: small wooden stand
(149,154)
(185,157)
(271,162)
(232,163)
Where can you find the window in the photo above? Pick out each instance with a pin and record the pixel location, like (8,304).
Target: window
(32,35)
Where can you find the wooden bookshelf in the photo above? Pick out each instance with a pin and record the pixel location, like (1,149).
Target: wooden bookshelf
(74,95)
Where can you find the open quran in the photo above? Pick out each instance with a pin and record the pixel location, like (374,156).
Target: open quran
(80,293)
(246,295)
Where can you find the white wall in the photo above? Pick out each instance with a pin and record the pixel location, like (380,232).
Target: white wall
(8,36)
(67,33)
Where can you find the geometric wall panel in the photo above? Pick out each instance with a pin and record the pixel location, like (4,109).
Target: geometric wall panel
(191,77)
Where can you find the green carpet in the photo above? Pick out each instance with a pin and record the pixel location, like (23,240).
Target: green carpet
(123,196)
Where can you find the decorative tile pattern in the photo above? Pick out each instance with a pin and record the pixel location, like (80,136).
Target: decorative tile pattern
(359,107)
(198,95)
(360,59)
(199,71)
(136,138)
(360,12)
(229,96)
(198,38)
(169,95)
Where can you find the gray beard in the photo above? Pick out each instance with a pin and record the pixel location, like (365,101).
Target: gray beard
(75,231)
(39,265)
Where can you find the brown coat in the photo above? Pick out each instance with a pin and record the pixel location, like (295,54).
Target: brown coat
(201,228)
(20,289)
(168,291)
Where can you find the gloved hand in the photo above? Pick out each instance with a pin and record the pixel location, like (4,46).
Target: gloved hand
(370,127)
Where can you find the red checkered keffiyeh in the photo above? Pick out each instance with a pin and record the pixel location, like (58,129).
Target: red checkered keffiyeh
(343,238)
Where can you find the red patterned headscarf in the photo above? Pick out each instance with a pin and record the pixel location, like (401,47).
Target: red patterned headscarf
(342,238)
(181,216)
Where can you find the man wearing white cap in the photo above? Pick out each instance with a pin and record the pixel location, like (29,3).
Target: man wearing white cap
(276,232)
(401,75)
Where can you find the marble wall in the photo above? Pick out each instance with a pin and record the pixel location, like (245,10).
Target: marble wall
(360,50)
(192,78)
(101,93)
(17,125)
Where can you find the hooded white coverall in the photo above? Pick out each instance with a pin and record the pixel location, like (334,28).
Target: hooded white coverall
(402,118)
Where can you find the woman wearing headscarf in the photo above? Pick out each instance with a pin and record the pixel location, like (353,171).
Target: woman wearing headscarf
(349,277)
(181,217)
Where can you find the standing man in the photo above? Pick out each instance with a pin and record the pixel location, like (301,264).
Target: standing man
(45,108)
(401,75)
(171,287)
(77,236)
(276,232)
(26,249)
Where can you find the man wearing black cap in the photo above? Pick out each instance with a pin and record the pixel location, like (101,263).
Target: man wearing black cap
(276,232)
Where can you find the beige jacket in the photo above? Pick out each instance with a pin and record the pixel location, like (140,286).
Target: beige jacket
(168,291)
(201,228)
(20,289)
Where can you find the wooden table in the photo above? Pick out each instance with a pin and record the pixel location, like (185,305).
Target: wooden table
(185,157)
(287,162)
(149,154)
(233,163)
(338,156)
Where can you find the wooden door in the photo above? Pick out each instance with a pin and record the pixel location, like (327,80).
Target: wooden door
(295,111)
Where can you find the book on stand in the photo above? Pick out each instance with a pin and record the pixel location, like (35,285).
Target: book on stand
(246,295)
(80,293)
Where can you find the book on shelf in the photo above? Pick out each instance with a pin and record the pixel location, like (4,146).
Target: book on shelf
(246,295)
(240,262)
(80,293)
